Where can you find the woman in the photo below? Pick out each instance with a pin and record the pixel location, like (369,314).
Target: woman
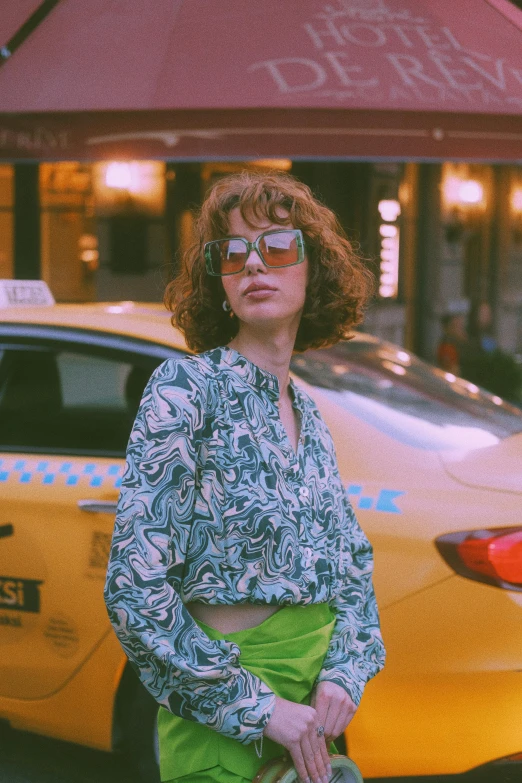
(239,582)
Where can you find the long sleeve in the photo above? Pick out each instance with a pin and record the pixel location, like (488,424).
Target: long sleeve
(356,652)
(189,674)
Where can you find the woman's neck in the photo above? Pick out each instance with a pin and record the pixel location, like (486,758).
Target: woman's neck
(270,355)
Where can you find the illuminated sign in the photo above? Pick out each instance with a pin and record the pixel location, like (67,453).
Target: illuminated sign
(389,210)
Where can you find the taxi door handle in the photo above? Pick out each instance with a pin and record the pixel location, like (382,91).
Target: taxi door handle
(98,506)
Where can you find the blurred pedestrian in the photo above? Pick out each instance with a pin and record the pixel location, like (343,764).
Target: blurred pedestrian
(453,346)
(487,365)
(240,590)
(480,328)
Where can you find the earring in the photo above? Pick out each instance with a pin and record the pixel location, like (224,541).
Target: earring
(226,306)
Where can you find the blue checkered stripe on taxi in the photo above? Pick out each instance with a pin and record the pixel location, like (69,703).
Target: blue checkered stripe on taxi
(108,475)
(385,500)
(61,472)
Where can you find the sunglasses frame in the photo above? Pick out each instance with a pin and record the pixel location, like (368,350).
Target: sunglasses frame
(255,246)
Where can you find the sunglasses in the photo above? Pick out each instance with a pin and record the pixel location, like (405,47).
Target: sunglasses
(275,249)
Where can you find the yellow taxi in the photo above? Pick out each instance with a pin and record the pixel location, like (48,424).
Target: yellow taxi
(432,466)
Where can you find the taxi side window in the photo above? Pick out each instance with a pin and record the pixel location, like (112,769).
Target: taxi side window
(70,401)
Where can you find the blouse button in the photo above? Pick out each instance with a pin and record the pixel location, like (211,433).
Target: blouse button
(303,491)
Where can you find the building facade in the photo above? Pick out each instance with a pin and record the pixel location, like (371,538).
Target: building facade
(440,237)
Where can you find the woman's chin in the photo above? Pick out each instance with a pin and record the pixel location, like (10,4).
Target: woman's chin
(266,316)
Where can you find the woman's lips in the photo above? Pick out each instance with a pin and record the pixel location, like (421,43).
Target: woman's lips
(260,293)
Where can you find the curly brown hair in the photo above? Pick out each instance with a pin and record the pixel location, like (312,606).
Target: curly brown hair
(339,283)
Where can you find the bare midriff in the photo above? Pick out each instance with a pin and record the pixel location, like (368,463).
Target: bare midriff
(228,619)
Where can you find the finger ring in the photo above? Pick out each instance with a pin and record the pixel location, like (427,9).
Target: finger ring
(320,731)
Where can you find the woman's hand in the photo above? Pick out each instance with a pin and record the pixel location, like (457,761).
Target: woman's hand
(334,708)
(295,727)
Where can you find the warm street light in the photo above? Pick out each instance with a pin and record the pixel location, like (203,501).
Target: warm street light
(516,201)
(129,186)
(463,192)
(118,175)
(471,192)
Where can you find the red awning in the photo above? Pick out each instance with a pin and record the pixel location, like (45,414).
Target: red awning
(13,16)
(425,79)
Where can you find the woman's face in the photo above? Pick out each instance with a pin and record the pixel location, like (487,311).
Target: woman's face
(284,300)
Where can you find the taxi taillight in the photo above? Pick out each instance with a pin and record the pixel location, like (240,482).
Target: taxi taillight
(492,555)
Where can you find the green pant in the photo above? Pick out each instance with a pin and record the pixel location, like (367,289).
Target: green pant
(286,651)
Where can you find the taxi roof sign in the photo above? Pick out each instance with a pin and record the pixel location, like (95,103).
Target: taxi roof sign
(23,293)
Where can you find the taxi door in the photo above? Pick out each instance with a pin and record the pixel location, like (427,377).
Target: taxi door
(66,410)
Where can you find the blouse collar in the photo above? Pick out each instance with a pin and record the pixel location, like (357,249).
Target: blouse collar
(252,373)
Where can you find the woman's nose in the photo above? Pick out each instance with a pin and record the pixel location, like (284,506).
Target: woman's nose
(253,260)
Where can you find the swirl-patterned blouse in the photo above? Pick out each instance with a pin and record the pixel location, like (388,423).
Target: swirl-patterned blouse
(216,507)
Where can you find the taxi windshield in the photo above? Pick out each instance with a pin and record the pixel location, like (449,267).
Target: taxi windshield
(406,398)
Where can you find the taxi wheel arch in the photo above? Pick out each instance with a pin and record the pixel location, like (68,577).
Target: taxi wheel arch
(135,726)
